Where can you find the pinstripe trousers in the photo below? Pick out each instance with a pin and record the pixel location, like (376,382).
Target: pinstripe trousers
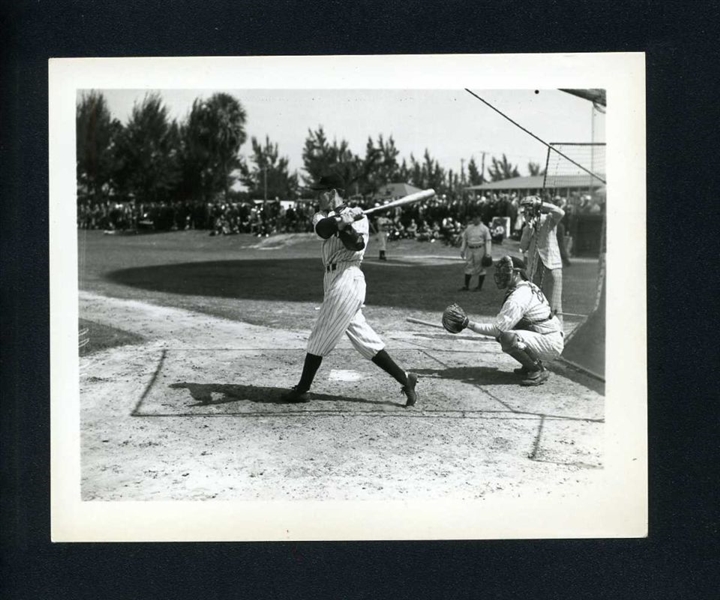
(341,313)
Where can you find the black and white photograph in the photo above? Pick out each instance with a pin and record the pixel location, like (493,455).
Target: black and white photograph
(348,298)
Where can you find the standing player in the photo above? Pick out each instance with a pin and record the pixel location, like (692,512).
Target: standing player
(382,226)
(540,245)
(343,248)
(561,232)
(525,326)
(476,245)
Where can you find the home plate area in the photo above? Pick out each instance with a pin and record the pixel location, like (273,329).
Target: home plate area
(247,383)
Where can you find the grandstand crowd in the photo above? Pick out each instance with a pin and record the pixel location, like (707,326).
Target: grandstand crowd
(435,219)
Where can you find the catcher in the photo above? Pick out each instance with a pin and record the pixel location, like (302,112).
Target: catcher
(526,327)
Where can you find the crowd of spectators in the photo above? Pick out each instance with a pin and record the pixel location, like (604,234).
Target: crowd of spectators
(218,218)
(437,219)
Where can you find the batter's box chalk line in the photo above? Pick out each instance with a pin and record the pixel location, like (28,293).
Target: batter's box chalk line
(183,385)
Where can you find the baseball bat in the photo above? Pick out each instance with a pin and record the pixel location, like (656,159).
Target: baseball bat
(409,199)
(427,323)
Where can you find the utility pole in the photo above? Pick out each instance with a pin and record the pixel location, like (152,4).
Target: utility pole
(265,179)
(482,169)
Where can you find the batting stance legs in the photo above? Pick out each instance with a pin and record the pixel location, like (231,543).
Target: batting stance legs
(341,314)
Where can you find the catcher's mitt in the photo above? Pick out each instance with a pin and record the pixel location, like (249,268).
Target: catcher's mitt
(486,261)
(454,319)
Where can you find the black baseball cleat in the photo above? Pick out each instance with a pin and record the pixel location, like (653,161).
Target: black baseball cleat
(294,395)
(521,371)
(409,390)
(536,377)
(464,289)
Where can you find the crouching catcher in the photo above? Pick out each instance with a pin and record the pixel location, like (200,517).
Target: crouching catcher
(526,327)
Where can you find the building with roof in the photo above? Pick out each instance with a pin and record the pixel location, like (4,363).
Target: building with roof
(563,185)
(391,191)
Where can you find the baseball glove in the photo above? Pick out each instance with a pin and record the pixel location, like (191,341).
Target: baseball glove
(454,319)
(486,261)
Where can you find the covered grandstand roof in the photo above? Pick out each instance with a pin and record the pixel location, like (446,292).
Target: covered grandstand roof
(535,182)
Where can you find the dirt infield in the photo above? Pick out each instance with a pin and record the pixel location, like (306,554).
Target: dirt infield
(191,413)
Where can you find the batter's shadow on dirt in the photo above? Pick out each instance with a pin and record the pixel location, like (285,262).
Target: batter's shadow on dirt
(473,375)
(202,393)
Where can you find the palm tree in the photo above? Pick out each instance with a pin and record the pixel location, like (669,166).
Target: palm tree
(534,169)
(214,132)
(226,120)
(502,169)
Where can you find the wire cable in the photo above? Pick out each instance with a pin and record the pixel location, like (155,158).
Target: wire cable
(533,135)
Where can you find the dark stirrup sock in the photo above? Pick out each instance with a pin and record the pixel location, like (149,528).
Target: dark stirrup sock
(481,280)
(382,359)
(312,364)
(467,280)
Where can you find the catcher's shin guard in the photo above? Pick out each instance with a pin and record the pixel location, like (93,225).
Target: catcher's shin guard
(511,344)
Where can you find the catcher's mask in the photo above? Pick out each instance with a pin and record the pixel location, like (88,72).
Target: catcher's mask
(505,268)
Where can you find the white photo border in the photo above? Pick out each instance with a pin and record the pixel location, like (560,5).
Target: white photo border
(619,509)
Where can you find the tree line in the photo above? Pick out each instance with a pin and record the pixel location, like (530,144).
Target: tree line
(153,158)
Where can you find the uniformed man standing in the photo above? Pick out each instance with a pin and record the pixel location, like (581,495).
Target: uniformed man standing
(476,244)
(382,228)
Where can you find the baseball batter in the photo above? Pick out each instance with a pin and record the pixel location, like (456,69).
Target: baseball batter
(476,243)
(540,244)
(343,248)
(526,327)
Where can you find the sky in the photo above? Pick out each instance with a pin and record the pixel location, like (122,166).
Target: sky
(453,125)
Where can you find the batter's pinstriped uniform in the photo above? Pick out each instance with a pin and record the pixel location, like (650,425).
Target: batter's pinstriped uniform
(344,294)
(527,313)
(544,261)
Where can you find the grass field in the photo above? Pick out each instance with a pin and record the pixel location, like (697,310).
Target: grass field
(101,337)
(263,280)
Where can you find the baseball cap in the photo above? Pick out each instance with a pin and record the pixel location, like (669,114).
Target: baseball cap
(332,181)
